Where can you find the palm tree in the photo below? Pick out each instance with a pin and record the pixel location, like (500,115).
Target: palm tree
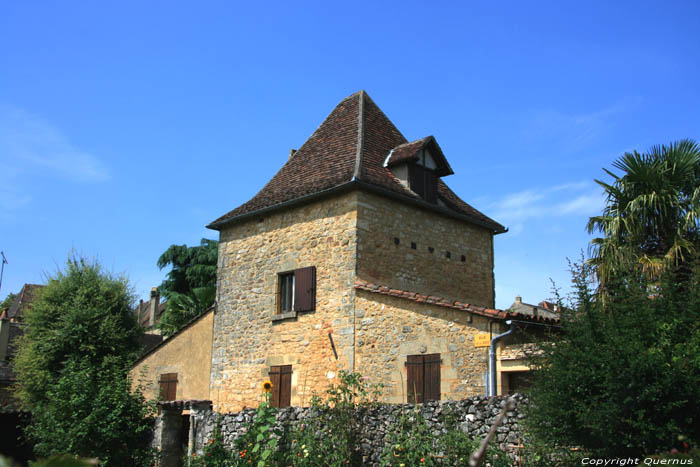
(650,223)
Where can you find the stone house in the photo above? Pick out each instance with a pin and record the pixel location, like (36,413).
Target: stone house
(355,256)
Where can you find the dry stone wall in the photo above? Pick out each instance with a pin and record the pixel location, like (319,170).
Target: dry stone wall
(474,415)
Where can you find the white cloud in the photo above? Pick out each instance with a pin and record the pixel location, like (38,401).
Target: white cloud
(515,210)
(31,146)
(572,132)
(35,144)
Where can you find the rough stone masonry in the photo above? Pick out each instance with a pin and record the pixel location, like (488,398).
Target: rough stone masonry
(475,416)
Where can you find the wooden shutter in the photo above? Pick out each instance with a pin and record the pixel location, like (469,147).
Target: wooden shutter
(305,289)
(414,379)
(285,388)
(275,380)
(431,186)
(281,379)
(417,179)
(432,377)
(168,386)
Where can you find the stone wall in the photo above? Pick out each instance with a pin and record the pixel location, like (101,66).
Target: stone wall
(451,259)
(247,338)
(475,416)
(389,329)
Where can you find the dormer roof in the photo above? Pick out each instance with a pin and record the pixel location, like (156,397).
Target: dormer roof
(409,152)
(349,150)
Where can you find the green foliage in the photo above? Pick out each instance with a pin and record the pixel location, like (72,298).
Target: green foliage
(190,286)
(7,303)
(215,454)
(411,442)
(652,218)
(331,435)
(622,378)
(72,366)
(64,461)
(258,446)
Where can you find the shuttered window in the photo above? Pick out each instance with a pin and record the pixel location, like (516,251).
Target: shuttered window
(281,379)
(423,377)
(296,290)
(305,289)
(168,386)
(423,182)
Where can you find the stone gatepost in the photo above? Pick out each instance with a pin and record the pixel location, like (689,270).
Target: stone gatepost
(171,434)
(197,410)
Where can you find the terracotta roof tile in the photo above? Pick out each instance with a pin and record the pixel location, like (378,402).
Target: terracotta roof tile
(24,300)
(440,301)
(349,147)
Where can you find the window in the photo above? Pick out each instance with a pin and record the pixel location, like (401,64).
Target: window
(281,379)
(297,290)
(423,378)
(423,182)
(518,381)
(168,386)
(286,287)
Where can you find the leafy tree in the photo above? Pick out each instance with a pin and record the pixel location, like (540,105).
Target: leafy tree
(7,303)
(651,221)
(622,378)
(190,286)
(72,365)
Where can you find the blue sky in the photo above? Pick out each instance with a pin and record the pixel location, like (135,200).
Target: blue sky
(127,126)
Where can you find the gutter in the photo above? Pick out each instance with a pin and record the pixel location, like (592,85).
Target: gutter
(492,358)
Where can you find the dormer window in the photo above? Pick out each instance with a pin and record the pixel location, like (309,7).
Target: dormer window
(418,165)
(423,179)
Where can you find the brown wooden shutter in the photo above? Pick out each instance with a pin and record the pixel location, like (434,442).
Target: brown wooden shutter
(432,377)
(275,380)
(431,186)
(168,386)
(305,289)
(414,379)
(417,179)
(285,388)
(281,379)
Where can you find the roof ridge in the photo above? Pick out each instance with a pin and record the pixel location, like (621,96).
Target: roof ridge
(357,173)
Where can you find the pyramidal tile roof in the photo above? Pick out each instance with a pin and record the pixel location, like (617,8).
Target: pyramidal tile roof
(348,150)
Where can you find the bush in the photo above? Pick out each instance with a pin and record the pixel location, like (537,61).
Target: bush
(622,378)
(72,366)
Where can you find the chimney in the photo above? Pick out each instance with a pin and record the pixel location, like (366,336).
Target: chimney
(155,301)
(518,299)
(291,153)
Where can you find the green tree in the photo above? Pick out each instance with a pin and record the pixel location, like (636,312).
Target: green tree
(651,220)
(72,368)
(190,286)
(7,303)
(622,377)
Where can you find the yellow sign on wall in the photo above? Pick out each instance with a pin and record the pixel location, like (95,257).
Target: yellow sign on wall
(482,340)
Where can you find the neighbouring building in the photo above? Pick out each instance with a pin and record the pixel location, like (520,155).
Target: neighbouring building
(178,367)
(12,440)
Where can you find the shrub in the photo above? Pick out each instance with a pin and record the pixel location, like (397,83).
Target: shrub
(622,378)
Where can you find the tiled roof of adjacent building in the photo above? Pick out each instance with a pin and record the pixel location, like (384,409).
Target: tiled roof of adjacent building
(23,301)
(349,150)
(456,305)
